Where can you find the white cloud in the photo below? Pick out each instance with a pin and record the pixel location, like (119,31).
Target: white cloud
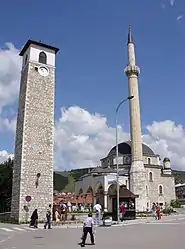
(10,67)
(81,139)
(8,125)
(172,2)
(4,155)
(179,17)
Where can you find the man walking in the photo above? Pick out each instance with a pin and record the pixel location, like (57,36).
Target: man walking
(88,228)
(48,218)
(97,208)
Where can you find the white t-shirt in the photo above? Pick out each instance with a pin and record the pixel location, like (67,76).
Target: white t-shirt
(63,207)
(97,207)
(88,222)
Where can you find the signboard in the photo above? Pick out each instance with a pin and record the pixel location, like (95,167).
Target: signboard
(28,198)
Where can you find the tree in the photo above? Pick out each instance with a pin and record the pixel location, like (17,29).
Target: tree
(6,173)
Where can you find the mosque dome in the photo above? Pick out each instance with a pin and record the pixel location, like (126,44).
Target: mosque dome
(125,149)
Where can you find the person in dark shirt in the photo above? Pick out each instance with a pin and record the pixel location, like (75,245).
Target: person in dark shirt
(48,218)
(34,219)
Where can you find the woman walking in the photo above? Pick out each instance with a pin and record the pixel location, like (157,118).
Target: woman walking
(34,219)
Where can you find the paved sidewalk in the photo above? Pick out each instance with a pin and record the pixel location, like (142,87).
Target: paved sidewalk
(127,222)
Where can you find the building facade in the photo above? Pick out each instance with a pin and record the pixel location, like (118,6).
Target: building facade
(33,163)
(159,186)
(142,172)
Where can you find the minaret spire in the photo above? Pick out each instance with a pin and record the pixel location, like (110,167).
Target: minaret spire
(131,49)
(130,40)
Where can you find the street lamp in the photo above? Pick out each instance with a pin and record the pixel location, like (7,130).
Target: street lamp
(117,166)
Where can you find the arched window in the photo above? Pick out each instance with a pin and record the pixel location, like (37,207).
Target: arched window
(42,58)
(160,189)
(150,177)
(149,161)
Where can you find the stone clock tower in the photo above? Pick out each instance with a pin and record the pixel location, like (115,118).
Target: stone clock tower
(33,163)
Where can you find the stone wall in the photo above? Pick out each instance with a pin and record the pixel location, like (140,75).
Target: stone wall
(168,186)
(34,144)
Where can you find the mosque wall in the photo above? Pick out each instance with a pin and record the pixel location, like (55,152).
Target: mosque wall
(160,188)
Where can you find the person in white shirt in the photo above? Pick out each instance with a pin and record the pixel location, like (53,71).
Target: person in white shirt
(97,208)
(88,228)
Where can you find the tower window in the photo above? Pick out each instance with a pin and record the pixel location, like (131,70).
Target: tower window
(149,161)
(42,58)
(160,189)
(150,177)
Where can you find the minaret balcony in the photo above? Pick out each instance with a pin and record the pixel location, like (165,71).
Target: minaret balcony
(132,70)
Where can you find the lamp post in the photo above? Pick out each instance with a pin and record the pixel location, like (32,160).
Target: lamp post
(117,164)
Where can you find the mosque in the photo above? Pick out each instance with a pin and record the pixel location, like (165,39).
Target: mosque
(142,175)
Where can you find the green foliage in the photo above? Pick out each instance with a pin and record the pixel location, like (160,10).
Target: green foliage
(175,204)
(77,173)
(179,176)
(6,170)
(167,210)
(60,181)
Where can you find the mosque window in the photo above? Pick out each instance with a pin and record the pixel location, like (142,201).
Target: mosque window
(150,177)
(160,189)
(149,161)
(42,58)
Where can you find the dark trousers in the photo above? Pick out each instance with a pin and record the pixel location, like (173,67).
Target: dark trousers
(87,230)
(48,223)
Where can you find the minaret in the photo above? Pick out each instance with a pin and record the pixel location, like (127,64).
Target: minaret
(137,170)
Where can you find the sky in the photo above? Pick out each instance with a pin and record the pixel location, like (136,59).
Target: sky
(90,80)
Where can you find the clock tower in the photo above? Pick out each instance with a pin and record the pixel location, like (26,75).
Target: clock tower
(33,164)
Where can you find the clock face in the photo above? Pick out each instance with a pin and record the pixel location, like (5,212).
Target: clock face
(43,71)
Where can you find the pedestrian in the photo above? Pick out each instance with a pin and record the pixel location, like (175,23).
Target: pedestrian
(63,209)
(48,218)
(34,219)
(122,210)
(97,208)
(57,217)
(158,212)
(88,227)
(154,214)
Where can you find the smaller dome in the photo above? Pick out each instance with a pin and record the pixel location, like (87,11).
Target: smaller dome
(166,159)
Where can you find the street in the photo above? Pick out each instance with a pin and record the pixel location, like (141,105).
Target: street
(166,234)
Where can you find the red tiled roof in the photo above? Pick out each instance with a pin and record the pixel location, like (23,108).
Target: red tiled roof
(74,199)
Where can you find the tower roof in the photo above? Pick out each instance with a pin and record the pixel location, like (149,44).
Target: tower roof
(130,40)
(40,44)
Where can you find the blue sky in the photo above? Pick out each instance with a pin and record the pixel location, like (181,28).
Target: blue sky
(92,38)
